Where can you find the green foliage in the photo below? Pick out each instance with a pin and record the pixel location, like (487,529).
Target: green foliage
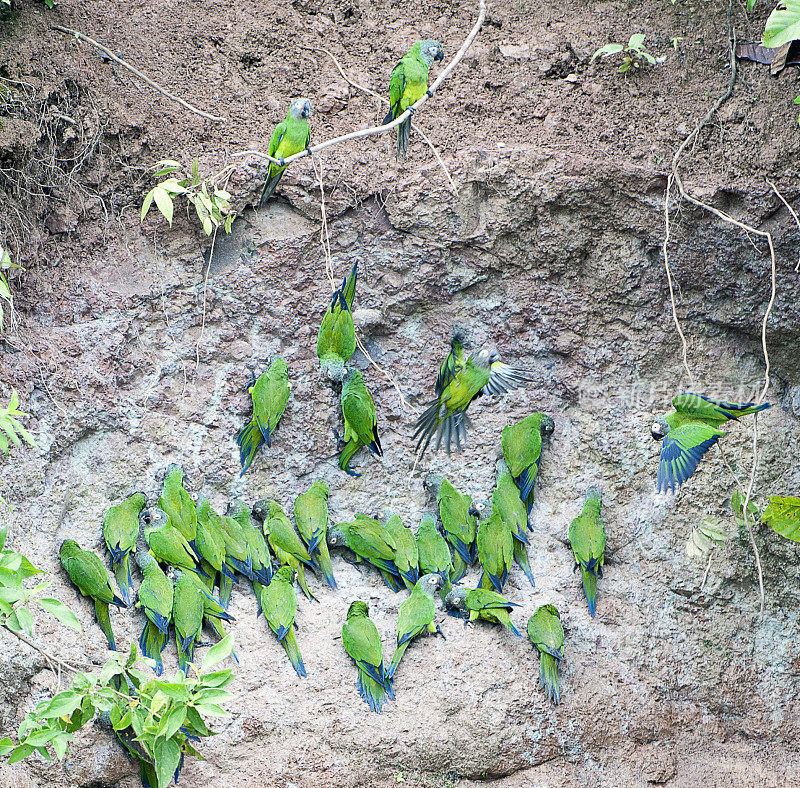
(737,504)
(5,290)
(212,205)
(10,427)
(704,538)
(783,24)
(16,597)
(634,53)
(154,719)
(783,516)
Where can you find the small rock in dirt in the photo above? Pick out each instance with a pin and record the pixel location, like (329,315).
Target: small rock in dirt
(365,318)
(334,99)
(516,51)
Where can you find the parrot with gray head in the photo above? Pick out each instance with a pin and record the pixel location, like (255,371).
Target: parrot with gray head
(290,136)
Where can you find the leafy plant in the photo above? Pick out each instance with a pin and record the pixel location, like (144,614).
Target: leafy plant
(5,290)
(211,204)
(737,504)
(16,598)
(10,427)
(783,24)
(634,52)
(704,538)
(783,516)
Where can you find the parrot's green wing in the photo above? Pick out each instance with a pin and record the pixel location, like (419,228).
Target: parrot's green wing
(270,395)
(681,452)
(363,644)
(178,504)
(714,410)
(495,551)
(414,616)
(452,365)
(120,531)
(277,136)
(397,86)
(546,632)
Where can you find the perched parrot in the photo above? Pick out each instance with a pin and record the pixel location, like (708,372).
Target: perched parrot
(88,574)
(155,598)
(434,553)
(311,518)
(547,634)
(336,340)
(178,504)
(459,382)
(284,541)
(495,551)
(587,537)
(269,393)
(167,543)
(689,432)
(210,543)
(406,556)
(213,611)
(415,616)
(188,606)
(408,84)
(511,508)
(459,523)
(237,550)
(261,558)
(360,421)
(367,538)
(362,642)
(480,603)
(279,603)
(121,530)
(522,451)
(289,137)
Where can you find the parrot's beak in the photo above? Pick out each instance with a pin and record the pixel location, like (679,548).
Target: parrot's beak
(307,110)
(439,54)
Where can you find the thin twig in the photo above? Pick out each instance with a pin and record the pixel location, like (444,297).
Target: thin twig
(791,211)
(324,236)
(372,131)
(138,73)
(46,654)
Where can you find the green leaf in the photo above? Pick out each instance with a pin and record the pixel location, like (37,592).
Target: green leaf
(172,186)
(21,620)
(132,658)
(171,722)
(3,536)
(176,691)
(164,203)
(608,49)
(6,745)
(27,569)
(167,755)
(783,24)
(750,4)
(168,163)
(636,41)
(20,752)
(211,710)
(148,201)
(218,652)
(198,724)
(219,678)
(60,745)
(61,612)
(229,222)
(62,705)
(210,696)
(783,516)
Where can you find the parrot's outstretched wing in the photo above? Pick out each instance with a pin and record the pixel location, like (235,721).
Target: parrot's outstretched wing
(503,378)
(681,452)
(452,365)
(706,407)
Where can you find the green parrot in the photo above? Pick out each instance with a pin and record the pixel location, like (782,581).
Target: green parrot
(336,341)
(284,541)
(121,530)
(178,504)
(260,556)
(269,394)
(210,543)
(167,543)
(237,550)
(434,553)
(480,603)
(511,508)
(311,518)
(362,642)
(689,432)
(155,598)
(495,551)
(587,537)
(408,84)
(279,603)
(522,451)
(459,523)
(213,611)
(406,555)
(459,382)
(360,421)
(289,137)
(188,606)
(368,539)
(547,634)
(415,616)
(88,574)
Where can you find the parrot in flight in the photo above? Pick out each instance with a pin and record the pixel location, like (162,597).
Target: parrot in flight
(279,603)
(689,432)
(88,574)
(406,555)
(167,543)
(269,394)
(408,84)
(511,508)
(336,341)
(415,616)
(284,541)
(155,598)
(360,421)
(311,518)
(460,381)
(547,634)
(481,603)
(290,136)
(188,607)
(495,551)
(178,504)
(368,539)
(522,451)
(459,523)
(362,642)
(433,551)
(121,530)
(587,537)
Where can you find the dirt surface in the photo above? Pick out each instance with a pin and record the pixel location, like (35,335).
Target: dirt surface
(550,249)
